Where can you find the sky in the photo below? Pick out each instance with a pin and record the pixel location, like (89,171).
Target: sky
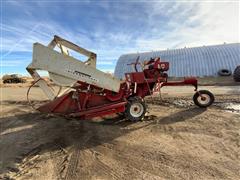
(113,28)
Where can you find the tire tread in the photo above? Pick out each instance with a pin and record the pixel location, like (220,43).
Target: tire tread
(127,111)
(196,95)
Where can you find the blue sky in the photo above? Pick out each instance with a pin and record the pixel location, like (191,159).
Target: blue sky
(112,28)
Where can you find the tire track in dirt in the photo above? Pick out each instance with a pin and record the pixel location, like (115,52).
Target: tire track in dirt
(85,159)
(137,163)
(59,167)
(74,158)
(105,168)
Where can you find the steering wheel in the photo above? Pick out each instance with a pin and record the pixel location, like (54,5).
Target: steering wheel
(135,63)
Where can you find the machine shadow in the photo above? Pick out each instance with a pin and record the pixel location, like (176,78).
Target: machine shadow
(30,134)
(38,133)
(182,115)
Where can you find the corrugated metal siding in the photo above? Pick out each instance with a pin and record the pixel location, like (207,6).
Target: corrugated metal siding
(197,61)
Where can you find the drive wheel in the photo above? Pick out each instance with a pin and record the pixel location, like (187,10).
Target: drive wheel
(203,98)
(135,109)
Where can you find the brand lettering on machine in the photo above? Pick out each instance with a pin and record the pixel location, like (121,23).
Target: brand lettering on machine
(83,75)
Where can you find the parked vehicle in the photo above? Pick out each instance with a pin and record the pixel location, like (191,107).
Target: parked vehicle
(12,78)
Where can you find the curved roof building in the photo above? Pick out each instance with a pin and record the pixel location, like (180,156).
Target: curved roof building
(196,61)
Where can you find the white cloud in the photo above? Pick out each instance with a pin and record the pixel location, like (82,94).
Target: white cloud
(200,23)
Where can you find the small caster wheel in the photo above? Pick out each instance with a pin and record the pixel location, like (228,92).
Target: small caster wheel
(203,98)
(135,109)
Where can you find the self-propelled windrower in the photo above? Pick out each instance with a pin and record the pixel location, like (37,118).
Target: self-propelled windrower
(92,92)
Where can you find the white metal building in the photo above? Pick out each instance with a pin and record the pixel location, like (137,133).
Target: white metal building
(196,61)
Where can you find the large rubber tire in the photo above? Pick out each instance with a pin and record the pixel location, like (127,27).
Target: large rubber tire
(135,109)
(236,74)
(224,72)
(206,100)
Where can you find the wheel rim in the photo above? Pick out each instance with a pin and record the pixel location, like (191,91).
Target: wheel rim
(136,110)
(204,99)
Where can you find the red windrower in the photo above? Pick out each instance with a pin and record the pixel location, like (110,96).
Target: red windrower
(90,95)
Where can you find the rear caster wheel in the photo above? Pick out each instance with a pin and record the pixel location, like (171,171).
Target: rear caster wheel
(135,109)
(203,98)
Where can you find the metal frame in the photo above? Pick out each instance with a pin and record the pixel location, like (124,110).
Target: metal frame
(92,57)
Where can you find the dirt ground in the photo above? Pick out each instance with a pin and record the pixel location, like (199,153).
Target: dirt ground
(176,140)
